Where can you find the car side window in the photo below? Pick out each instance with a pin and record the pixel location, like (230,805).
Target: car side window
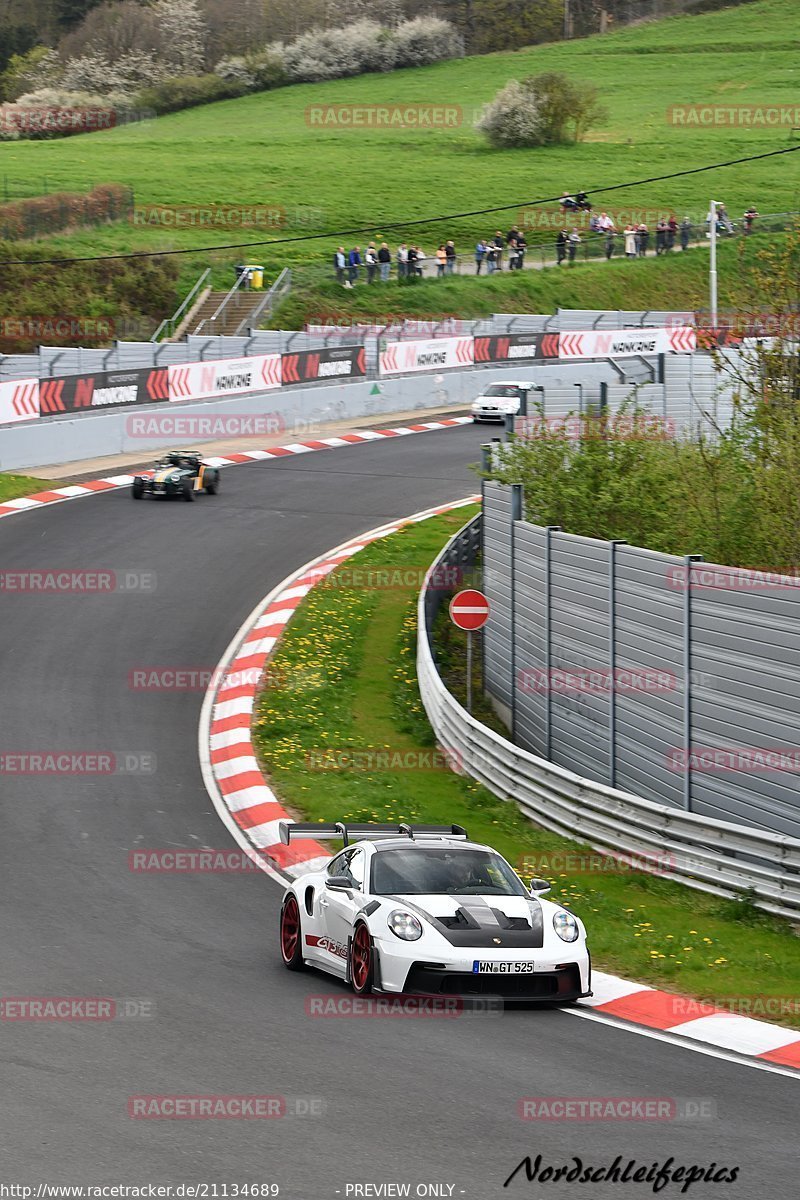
(357,867)
(338,865)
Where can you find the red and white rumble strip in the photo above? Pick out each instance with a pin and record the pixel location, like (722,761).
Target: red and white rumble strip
(113,482)
(252,812)
(228,711)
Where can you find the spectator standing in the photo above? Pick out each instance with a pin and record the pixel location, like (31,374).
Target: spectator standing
(561,246)
(573,241)
(512,253)
(491,257)
(441,261)
(402,260)
(642,240)
(412,260)
(512,235)
(672,229)
(450,256)
(522,246)
(371,259)
(749,217)
(609,242)
(723,219)
(384,261)
(686,233)
(480,255)
(630,242)
(339,263)
(354,262)
(499,242)
(661,237)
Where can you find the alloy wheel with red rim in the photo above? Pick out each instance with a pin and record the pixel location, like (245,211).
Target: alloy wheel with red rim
(361,959)
(290,930)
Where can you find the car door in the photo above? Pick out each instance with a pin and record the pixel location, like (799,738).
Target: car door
(342,906)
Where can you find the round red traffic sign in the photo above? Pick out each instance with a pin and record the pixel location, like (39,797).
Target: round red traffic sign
(469,609)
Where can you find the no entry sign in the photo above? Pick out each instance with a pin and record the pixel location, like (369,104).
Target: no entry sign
(469,610)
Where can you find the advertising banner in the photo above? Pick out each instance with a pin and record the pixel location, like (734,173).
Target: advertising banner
(224,377)
(398,358)
(19,400)
(102,389)
(515,347)
(626,343)
(330,362)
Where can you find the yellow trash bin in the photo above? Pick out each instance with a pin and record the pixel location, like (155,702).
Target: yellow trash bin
(256,276)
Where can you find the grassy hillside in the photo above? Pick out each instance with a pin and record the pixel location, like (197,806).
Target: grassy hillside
(261,150)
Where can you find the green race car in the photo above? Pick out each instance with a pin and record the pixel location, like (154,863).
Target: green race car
(180,473)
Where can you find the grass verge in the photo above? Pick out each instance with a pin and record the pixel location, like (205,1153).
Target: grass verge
(13,486)
(348,695)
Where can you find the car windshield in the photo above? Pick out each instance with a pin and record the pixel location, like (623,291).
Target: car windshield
(509,390)
(418,872)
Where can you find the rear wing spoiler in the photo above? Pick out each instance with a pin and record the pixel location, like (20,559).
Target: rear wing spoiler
(291,830)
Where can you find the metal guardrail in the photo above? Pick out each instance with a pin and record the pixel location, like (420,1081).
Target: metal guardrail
(713,856)
(171,323)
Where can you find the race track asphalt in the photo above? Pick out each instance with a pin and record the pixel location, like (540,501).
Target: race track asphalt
(407,1101)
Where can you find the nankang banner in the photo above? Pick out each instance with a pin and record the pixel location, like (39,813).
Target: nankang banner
(399,358)
(224,377)
(102,389)
(516,347)
(626,343)
(330,362)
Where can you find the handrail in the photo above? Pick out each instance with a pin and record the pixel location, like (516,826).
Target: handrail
(713,856)
(173,321)
(282,286)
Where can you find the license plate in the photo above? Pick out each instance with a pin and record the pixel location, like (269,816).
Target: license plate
(502,968)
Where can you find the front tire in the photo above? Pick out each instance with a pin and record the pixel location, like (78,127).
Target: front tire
(362,964)
(291,936)
(188,490)
(137,490)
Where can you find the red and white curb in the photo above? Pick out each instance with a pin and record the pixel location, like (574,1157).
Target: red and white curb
(251,811)
(249,808)
(113,482)
(682,1017)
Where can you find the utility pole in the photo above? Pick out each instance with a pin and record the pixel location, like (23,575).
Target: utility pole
(712,266)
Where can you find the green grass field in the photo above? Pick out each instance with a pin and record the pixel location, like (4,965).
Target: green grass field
(13,486)
(261,149)
(344,683)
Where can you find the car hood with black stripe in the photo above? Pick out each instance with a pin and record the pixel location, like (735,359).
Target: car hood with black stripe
(511,922)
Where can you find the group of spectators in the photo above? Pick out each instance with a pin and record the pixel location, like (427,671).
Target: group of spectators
(409,260)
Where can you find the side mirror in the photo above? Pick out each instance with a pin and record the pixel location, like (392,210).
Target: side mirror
(539,887)
(340,883)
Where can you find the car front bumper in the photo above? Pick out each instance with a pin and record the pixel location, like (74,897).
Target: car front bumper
(565,977)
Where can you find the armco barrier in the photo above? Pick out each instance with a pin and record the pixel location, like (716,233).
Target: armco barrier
(714,856)
(85,392)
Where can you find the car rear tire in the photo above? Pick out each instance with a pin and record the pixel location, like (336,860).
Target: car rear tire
(362,964)
(291,936)
(137,490)
(188,489)
(213,487)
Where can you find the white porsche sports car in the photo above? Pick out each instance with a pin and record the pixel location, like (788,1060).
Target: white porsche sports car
(420,909)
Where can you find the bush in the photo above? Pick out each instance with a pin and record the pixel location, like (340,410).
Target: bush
(256,72)
(542,110)
(64,210)
(187,91)
(63,113)
(426,40)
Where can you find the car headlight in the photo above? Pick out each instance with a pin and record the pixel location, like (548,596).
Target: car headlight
(174,478)
(565,926)
(405,926)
